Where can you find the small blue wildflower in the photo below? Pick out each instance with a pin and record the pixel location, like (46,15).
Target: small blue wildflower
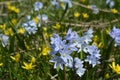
(38,6)
(55,3)
(65,55)
(4,40)
(94,56)
(59,62)
(44,17)
(92,60)
(95,9)
(41,18)
(115,34)
(79,42)
(28,17)
(110,3)
(92,50)
(56,40)
(88,35)
(30,27)
(71,35)
(61,49)
(84,41)
(74,39)
(72,46)
(78,65)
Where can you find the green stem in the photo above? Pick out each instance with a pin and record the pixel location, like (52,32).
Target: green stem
(64,73)
(81,55)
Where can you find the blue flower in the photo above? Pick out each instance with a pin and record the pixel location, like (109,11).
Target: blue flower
(88,35)
(59,62)
(44,17)
(28,17)
(74,40)
(55,3)
(38,6)
(72,46)
(95,9)
(94,56)
(61,50)
(79,42)
(92,59)
(78,65)
(92,50)
(115,34)
(4,40)
(110,3)
(71,35)
(65,55)
(30,27)
(56,40)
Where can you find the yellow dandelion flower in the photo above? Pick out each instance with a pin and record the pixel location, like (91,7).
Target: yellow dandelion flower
(44,28)
(3,27)
(114,11)
(46,34)
(17,10)
(27,46)
(95,38)
(14,21)
(76,14)
(36,20)
(115,68)
(85,15)
(45,51)
(9,32)
(13,8)
(21,30)
(33,60)
(107,76)
(28,66)
(16,58)
(57,26)
(1,64)
(95,43)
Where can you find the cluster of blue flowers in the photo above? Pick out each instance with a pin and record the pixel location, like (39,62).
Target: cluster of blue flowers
(61,51)
(94,56)
(115,34)
(64,2)
(30,25)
